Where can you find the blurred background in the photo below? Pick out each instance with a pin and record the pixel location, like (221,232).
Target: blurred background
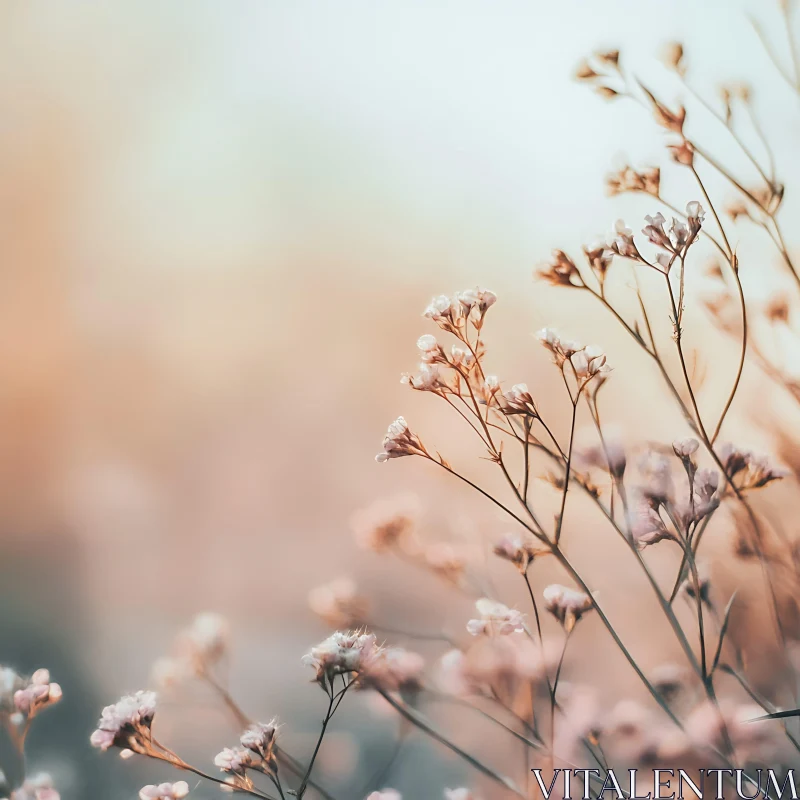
(220,225)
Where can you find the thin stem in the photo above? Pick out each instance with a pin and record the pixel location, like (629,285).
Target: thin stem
(567,469)
(333,704)
(416,718)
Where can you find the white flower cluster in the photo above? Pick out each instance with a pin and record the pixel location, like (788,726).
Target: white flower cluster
(39,787)
(341,653)
(495,619)
(452,313)
(566,605)
(517,549)
(672,243)
(126,723)
(587,362)
(23,698)
(399,441)
(164,791)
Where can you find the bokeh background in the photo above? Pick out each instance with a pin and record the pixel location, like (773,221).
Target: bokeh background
(220,225)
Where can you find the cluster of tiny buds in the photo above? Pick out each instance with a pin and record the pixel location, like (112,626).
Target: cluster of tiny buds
(566,605)
(517,549)
(342,653)
(673,243)
(23,698)
(518,400)
(587,362)
(164,791)
(432,354)
(451,314)
(604,66)
(256,751)
(400,441)
(628,179)
(126,724)
(495,619)
(753,471)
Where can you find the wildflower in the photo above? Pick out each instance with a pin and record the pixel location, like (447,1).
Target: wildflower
(629,179)
(655,469)
(39,787)
(165,791)
(705,496)
(385,794)
(671,120)
(518,400)
(672,56)
(517,549)
(694,216)
(386,523)
(608,57)
(599,258)
(126,723)
(39,693)
(429,347)
(606,92)
(682,153)
(393,669)
(399,441)
(760,472)
(459,357)
(439,309)
(428,379)
(560,348)
(235,760)
(566,605)
(477,300)
(757,469)
(587,362)
(585,72)
(259,738)
(648,528)
(341,654)
(495,618)
(685,448)
(338,603)
(621,242)
(655,232)
(561,271)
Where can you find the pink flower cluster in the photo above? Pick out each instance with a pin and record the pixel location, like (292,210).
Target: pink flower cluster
(164,791)
(126,722)
(40,787)
(37,694)
(341,653)
(495,619)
